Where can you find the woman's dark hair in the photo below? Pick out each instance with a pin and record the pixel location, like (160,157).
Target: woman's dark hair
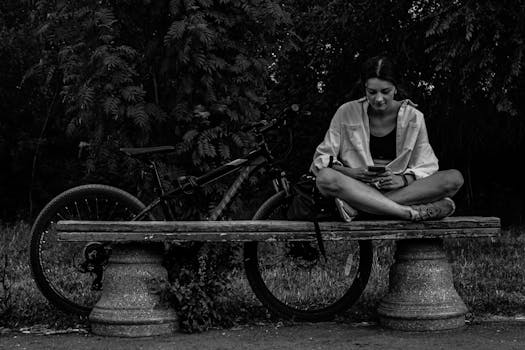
(380,67)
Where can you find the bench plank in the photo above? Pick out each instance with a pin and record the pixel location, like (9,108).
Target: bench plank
(270,230)
(270,236)
(274,225)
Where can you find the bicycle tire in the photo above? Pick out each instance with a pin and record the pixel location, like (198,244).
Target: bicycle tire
(51,260)
(305,302)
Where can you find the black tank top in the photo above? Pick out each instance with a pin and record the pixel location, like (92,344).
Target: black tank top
(384,147)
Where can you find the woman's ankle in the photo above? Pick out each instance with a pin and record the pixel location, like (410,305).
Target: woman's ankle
(410,213)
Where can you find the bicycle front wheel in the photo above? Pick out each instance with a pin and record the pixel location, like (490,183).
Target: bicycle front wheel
(54,264)
(293,280)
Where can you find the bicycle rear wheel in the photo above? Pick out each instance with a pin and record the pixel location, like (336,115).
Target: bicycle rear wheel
(293,280)
(54,264)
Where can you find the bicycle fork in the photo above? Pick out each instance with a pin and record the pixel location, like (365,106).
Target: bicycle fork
(280,182)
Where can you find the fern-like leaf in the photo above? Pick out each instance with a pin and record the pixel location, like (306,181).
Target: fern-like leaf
(132,93)
(175,32)
(104,18)
(86,96)
(205,3)
(126,51)
(112,62)
(138,115)
(224,151)
(205,148)
(204,34)
(237,140)
(111,106)
(190,135)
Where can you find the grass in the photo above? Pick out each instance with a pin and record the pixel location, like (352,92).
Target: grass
(489,275)
(492,273)
(21,303)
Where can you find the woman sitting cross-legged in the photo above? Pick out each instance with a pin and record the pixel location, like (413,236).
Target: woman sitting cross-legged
(379,130)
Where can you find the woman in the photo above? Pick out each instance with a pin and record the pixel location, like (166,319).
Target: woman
(375,130)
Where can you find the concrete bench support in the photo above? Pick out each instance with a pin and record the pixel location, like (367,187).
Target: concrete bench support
(421,294)
(129,305)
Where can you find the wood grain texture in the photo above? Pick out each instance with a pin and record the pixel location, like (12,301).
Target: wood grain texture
(249,230)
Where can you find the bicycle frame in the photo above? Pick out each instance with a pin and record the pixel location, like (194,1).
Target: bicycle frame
(247,165)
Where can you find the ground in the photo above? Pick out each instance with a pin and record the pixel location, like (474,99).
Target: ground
(501,335)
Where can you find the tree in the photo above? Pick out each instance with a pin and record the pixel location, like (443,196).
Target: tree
(192,74)
(476,54)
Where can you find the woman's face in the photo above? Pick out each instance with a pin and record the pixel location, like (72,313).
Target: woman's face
(380,93)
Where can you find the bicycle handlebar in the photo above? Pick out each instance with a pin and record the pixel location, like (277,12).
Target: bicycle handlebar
(262,126)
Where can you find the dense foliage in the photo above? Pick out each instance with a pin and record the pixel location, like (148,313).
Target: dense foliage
(81,79)
(123,73)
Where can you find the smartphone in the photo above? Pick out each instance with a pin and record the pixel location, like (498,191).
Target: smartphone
(377,169)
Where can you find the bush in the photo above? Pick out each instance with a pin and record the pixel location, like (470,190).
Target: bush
(200,286)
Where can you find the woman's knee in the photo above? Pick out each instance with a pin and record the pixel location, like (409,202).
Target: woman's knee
(327,181)
(453,180)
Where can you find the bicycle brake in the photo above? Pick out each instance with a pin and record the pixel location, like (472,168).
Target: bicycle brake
(96,256)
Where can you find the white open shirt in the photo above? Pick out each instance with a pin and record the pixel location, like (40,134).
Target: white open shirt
(348,140)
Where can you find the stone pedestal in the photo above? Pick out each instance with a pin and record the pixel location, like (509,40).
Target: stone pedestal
(130,305)
(421,294)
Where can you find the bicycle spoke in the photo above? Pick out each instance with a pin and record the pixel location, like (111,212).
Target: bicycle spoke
(128,214)
(90,214)
(113,211)
(78,211)
(96,208)
(70,216)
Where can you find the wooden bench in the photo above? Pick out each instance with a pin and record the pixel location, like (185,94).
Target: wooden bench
(421,292)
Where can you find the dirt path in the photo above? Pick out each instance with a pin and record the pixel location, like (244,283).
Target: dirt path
(486,335)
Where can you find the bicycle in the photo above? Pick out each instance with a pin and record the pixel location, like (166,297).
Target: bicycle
(290,278)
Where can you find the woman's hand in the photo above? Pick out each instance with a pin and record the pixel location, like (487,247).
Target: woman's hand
(362,174)
(389,181)
(411,103)
(381,181)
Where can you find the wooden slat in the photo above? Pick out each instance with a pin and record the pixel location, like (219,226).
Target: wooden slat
(272,236)
(248,230)
(273,225)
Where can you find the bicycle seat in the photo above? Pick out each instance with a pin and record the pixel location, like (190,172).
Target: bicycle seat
(136,152)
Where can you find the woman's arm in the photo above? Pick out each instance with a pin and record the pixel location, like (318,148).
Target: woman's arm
(330,145)
(423,161)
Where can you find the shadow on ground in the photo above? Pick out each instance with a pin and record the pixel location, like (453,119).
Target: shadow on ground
(475,336)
